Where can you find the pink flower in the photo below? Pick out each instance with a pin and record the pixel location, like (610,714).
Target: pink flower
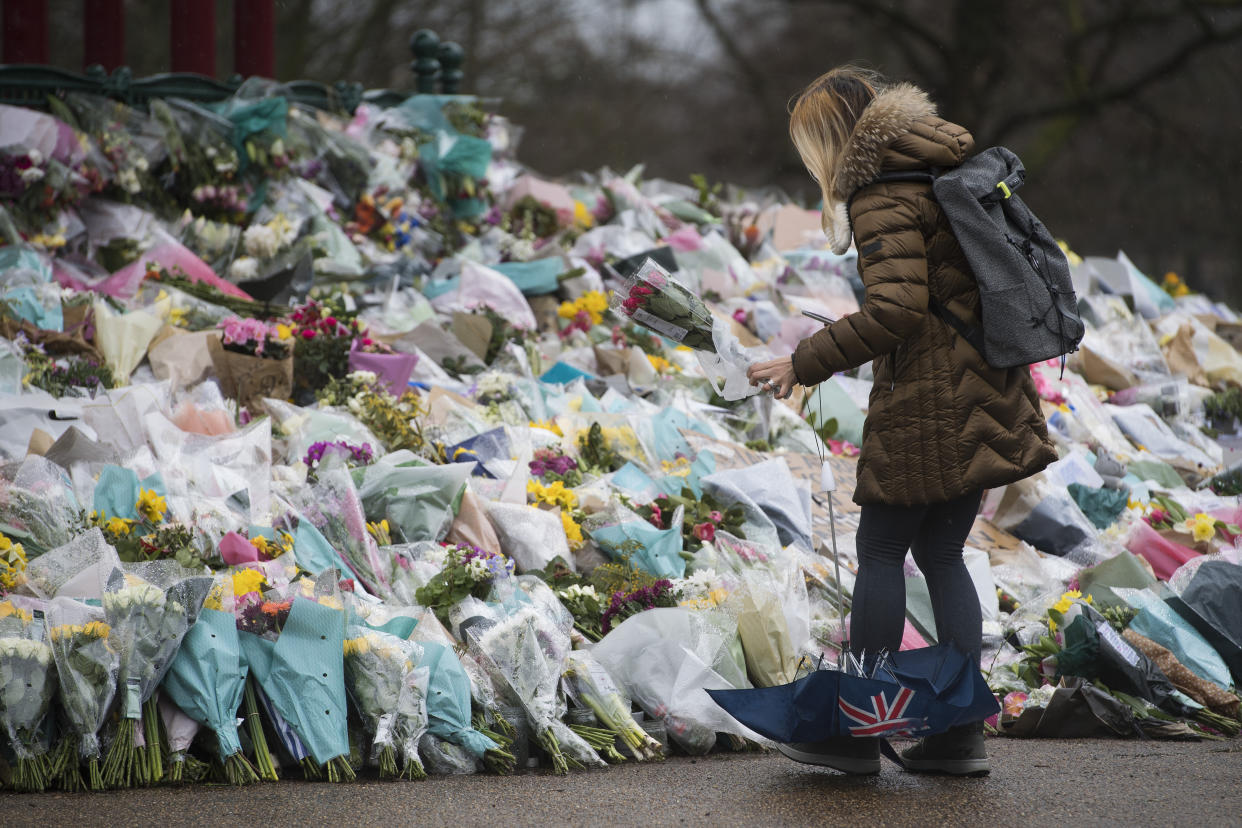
(715,516)
(705,532)
(641,290)
(657,516)
(739,316)
(631,304)
(307,333)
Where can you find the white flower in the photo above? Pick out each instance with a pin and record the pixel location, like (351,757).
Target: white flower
(31,174)
(141,164)
(278,147)
(364,377)
(244,268)
(261,241)
(35,157)
(477,570)
(492,383)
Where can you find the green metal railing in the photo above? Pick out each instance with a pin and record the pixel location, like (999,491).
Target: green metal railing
(436,67)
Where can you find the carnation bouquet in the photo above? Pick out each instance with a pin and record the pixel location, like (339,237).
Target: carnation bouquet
(86,664)
(27,683)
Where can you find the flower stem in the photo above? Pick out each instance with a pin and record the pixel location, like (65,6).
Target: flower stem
(151,732)
(387,760)
(239,771)
(264,765)
(118,765)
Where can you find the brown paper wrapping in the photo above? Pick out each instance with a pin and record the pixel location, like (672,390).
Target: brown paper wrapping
(1179,353)
(611,361)
(54,342)
(1200,689)
(472,526)
(248,379)
(184,359)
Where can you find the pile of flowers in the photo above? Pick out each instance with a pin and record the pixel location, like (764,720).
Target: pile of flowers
(401,572)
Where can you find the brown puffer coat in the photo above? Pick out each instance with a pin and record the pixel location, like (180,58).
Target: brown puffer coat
(941,422)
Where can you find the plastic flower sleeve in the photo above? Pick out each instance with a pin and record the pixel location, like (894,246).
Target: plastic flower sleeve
(526,653)
(411,719)
(37,504)
(448,707)
(79,569)
(482,691)
(589,684)
(332,505)
(375,668)
(181,730)
(532,537)
(147,624)
(649,654)
(419,501)
(86,665)
(27,684)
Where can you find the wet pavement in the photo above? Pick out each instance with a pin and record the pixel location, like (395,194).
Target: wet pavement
(1033,782)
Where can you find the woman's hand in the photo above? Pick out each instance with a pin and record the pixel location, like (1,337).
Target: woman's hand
(776,375)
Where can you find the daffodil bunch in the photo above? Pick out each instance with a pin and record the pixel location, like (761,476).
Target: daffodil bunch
(1203,527)
(376,664)
(27,683)
(553,494)
(147,628)
(12,564)
(86,665)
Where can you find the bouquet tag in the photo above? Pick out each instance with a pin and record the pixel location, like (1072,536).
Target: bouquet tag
(668,329)
(383,729)
(827,483)
(131,703)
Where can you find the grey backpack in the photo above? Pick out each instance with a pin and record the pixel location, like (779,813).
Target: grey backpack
(1028,306)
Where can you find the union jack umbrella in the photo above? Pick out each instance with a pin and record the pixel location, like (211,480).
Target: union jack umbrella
(912,693)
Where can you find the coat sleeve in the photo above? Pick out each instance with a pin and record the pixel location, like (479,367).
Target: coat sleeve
(893,260)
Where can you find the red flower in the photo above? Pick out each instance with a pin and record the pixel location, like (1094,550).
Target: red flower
(308,333)
(631,304)
(705,532)
(346,585)
(657,516)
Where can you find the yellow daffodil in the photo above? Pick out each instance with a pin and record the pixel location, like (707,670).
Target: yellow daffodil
(284,331)
(582,216)
(151,505)
(660,364)
(261,543)
(248,580)
(573,532)
(554,494)
(119,525)
(1067,600)
(1202,527)
(548,425)
(8,610)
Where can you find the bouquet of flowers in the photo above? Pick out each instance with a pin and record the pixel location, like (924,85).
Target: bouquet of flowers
(322,347)
(332,505)
(254,359)
(591,685)
(12,564)
(295,647)
(27,683)
(622,605)
(468,571)
(653,299)
(412,719)
(391,368)
(393,420)
(64,375)
(526,652)
(86,664)
(701,517)
(550,465)
(353,456)
(147,624)
(376,665)
(448,695)
(207,680)
(37,505)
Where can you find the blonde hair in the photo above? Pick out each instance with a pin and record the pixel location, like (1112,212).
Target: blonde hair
(821,121)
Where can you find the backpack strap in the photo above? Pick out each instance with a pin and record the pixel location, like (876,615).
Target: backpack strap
(968,332)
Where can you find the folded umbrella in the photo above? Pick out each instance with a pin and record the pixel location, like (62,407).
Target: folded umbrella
(909,693)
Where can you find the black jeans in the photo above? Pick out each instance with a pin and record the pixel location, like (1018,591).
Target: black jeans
(935,534)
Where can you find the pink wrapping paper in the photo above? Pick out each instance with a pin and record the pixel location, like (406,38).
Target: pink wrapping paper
(167,255)
(684,239)
(235,549)
(393,370)
(189,417)
(1164,555)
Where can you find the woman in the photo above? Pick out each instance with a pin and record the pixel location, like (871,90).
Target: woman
(942,425)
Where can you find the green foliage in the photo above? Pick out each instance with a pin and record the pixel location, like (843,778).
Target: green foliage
(701,517)
(66,376)
(1224,407)
(595,456)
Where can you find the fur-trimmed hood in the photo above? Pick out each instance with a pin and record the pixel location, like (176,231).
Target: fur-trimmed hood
(898,130)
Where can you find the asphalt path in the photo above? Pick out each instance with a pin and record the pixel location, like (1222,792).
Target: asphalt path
(1033,782)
